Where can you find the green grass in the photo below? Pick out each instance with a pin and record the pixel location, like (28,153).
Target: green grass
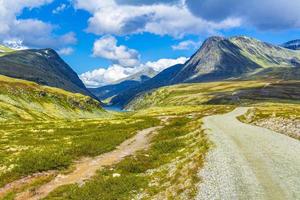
(189,94)
(167,170)
(5,50)
(268,110)
(243,93)
(27,101)
(26,148)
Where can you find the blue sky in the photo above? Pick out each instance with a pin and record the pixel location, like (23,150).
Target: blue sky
(129,34)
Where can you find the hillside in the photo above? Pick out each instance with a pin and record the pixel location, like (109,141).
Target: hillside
(159,80)
(122,85)
(221,59)
(226,92)
(43,66)
(108,91)
(24,100)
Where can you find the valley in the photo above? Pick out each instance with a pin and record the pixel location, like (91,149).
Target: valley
(224,125)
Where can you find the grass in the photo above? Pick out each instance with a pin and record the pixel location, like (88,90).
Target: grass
(167,170)
(282,118)
(27,148)
(268,110)
(243,93)
(189,94)
(26,101)
(5,50)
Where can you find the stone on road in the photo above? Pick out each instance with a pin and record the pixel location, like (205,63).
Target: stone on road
(248,162)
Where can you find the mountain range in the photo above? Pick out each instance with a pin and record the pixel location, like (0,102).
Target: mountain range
(223,59)
(219,58)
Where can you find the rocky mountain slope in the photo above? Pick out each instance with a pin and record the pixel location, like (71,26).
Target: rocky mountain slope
(43,66)
(225,58)
(24,100)
(294,45)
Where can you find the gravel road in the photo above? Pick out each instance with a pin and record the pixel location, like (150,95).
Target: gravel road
(249,162)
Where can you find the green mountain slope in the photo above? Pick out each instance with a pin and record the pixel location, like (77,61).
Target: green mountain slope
(25,100)
(225,92)
(219,59)
(266,55)
(43,66)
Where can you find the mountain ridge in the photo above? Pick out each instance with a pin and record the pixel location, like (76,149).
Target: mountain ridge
(222,58)
(43,66)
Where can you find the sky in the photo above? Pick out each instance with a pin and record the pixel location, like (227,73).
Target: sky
(108,40)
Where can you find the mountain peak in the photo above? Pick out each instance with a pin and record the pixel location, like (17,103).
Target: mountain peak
(43,66)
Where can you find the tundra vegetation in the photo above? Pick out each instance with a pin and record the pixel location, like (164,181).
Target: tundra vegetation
(73,126)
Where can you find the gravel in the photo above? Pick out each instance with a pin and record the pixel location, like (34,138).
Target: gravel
(248,162)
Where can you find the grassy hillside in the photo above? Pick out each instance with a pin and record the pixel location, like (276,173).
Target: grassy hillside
(5,50)
(228,92)
(264,54)
(24,100)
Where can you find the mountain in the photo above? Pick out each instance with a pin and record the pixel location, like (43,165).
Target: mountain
(23,100)
(221,59)
(157,81)
(43,66)
(294,45)
(134,80)
(108,91)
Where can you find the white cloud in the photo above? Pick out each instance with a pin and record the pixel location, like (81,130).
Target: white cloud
(186,45)
(66,51)
(59,8)
(109,17)
(164,63)
(106,47)
(101,76)
(262,14)
(114,73)
(33,32)
(15,44)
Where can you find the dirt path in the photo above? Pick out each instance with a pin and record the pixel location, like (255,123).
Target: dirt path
(86,168)
(249,162)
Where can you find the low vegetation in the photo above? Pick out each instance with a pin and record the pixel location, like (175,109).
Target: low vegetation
(167,170)
(190,94)
(243,93)
(26,101)
(31,147)
(5,50)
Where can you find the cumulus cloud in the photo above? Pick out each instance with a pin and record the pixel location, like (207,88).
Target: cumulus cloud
(32,32)
(186,45)
(15,44)
(59,8)
(157,17)
(263,14)
(106,47)
(164,63)
(114,73)
(66,51)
